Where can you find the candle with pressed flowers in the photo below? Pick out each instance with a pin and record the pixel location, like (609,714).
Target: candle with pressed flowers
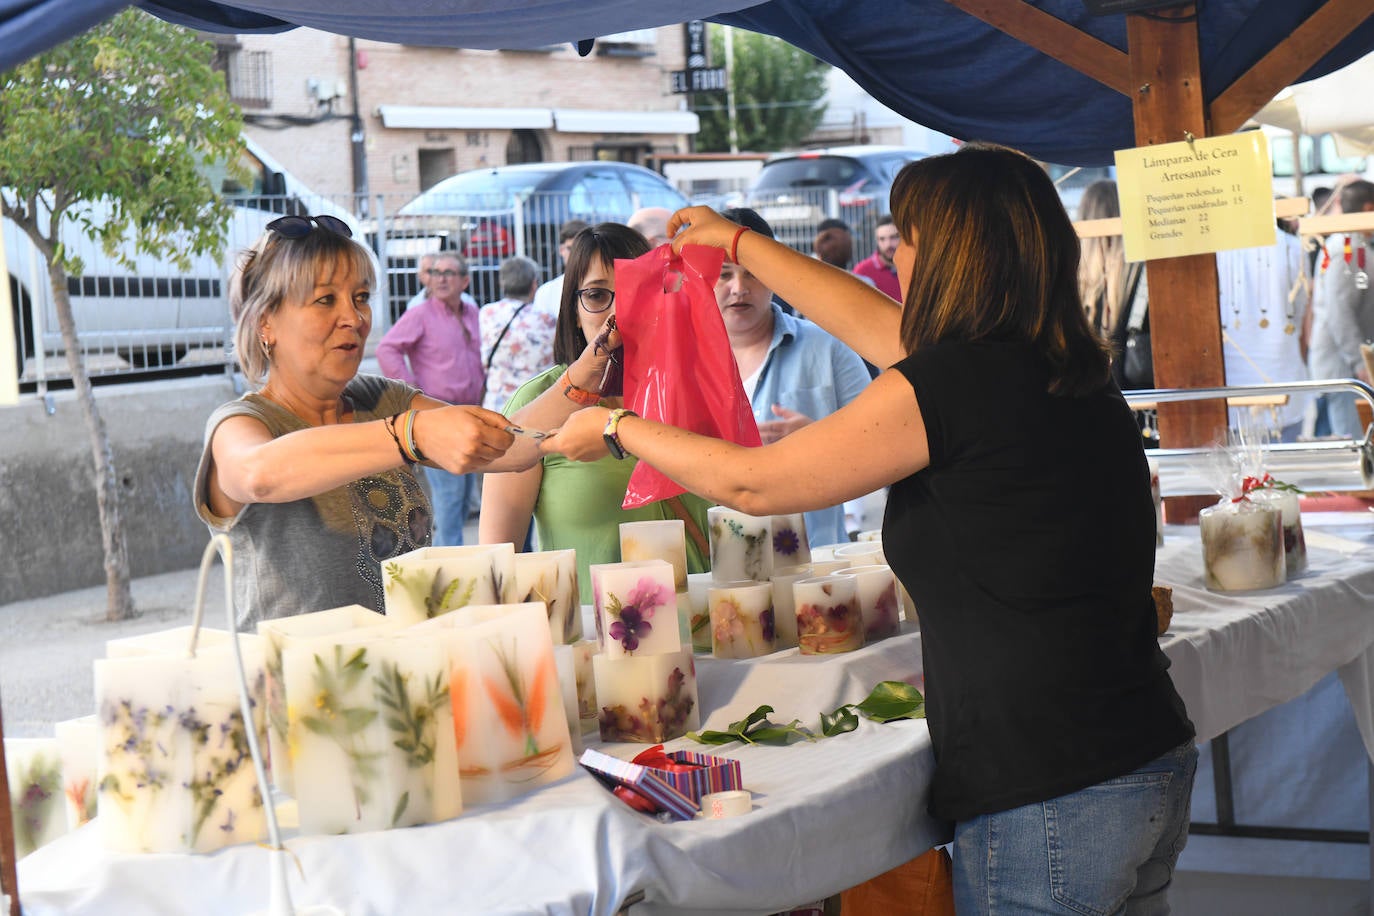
(431,581)
(741,545)
(789,540)
(279,633)
(637,607)
(34,766)
(565,660)
(175,773)
(78,744)
(657,540)
(742,619)
(699,615)
(508,722)
(784,605)
(371,732)
(1294,542)
(550,576)
(828,615)
(1242,545)
(582,652)
(646,699)
(879,604)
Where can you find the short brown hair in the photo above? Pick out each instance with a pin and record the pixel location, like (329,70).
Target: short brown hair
(997,258)
(604,242)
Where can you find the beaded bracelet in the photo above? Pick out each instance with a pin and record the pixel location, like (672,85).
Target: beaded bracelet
(389,424)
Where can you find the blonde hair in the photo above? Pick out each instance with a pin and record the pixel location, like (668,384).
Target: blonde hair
(276,269)
(1102,265)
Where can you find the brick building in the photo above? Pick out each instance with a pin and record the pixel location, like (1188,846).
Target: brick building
(427,113)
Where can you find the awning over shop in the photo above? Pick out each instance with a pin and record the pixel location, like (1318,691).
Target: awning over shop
(437,117)
(579,121)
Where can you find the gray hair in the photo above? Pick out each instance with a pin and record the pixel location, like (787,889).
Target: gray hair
(518,274)
(276,269)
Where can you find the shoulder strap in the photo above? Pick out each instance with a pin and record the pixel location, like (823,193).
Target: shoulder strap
(496,345)
(694,531)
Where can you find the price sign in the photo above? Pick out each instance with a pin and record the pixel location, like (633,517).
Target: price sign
(1201,196)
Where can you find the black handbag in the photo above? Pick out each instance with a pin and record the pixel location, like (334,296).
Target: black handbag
(1137,365)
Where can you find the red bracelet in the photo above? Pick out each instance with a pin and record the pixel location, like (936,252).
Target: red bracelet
(734,244)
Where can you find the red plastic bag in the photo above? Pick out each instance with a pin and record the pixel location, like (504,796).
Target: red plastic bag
(678,365)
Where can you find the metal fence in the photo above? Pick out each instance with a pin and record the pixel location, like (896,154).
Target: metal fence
(155,317)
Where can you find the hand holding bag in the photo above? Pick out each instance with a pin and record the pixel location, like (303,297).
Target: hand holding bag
(679,368)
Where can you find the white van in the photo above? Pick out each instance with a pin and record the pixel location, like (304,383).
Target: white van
(155,313)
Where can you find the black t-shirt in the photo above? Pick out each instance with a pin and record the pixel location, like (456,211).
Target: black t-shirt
(1028,546)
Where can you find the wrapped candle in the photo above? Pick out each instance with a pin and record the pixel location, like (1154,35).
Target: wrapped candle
(784,606)
(1159,502)
(78,744)
(175,774)
(371,732)
(828,615)
(508,721)
(637,607)
(789,540)
(1242,545)
(281,632)
(878,602)
(659,540)
(435,580)
(742,620)
(699,624)
(34,766)
(741,545)
(1294,543)
(550,576)
(647,699)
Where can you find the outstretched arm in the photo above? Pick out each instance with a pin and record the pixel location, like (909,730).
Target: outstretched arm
(835,299)
(814,467)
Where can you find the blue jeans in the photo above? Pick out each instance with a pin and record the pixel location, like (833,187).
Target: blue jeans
(449,493)
(1105,850)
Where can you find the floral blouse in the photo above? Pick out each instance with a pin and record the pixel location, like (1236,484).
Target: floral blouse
(524,351)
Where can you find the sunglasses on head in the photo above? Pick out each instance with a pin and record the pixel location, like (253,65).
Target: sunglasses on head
(298,227)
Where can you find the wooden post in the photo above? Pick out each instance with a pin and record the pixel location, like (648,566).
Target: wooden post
(1185,321)
(9,874)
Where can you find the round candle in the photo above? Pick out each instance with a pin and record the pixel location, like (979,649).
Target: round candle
(878,602)
(1242,546)
(741,545)
(742,619)
(828,615)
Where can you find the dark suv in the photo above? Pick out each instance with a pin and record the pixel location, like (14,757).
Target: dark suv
(795,192)
(490,214)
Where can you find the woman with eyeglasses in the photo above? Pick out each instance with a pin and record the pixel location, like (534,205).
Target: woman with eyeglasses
(311,475)
(578,504)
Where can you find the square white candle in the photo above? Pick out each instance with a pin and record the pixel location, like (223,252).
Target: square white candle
(78,744)
(657,540)
(435,580)
(34,766)
(741,545)
(637,607)
(646,699)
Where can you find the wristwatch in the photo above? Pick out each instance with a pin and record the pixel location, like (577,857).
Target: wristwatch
(612,431)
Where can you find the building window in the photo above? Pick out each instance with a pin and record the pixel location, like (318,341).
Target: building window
(249,76)
(524,146)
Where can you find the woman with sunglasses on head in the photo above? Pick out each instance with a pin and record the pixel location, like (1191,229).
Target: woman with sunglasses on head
(1019,519)
(311,475)
(575,504)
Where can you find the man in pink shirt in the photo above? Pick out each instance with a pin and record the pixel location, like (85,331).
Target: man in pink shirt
(436,346)
(878,267)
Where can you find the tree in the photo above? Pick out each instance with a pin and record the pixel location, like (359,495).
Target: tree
(123,115)
(778,92)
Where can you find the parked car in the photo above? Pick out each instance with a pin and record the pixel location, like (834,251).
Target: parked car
(796,191)
(490,214)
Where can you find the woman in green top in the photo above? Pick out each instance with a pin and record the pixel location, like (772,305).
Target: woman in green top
(576,504)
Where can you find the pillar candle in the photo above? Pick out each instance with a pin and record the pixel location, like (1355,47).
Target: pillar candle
(174,774)
(508,722)
(371,732)
(566,662)
(742,620)
(1242,546)
(828,567)
(34,766)
(879,604)
(789,540)
(863,553)
(78,744)
(1294,542)
(784,605)
(583,650)
(637,607)
(741,545)
(828,616)
(277,634)
(435,580)
(647,699)
(550,577)
(699,624)
(658,540)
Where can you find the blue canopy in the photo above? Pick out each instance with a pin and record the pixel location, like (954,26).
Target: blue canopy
(925,59)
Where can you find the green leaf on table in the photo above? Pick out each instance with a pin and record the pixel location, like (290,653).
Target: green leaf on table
(842,720)
(892,700)
(755,728)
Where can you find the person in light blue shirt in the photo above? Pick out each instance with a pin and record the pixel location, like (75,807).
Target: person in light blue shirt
(793,371)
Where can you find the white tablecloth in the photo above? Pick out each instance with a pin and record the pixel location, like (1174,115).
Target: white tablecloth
(827,815)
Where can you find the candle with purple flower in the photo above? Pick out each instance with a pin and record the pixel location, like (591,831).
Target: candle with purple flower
(879,604)
(789,540)
(741,545)
(647,699)
(828,615)
(637,606)
(742,620)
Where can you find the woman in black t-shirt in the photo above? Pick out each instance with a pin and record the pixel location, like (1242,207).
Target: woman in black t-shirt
(1019,519)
